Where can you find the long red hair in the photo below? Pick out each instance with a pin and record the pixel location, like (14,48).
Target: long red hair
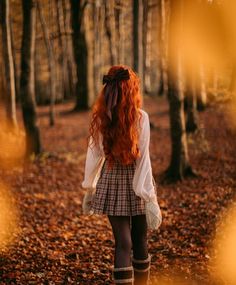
(119,135)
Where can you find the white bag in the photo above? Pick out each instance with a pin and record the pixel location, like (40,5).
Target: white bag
(153,213)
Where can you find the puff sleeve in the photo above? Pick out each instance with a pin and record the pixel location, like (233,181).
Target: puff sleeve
(93,164)
(143,180)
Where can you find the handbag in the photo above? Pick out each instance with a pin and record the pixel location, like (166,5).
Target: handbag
(153,212)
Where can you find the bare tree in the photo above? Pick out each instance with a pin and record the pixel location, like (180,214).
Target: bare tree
(111,29)
(201,89)
(51,63)
(145,34)
(80,54)
(10,97)
(137,38)
(69,48)
(63,45)
(179,166)
(16,67)
(121,26)
(191,98)
(147,27)
(163,43)
(97,44)
(27,86)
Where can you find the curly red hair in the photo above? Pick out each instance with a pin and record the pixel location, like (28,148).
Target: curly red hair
(120,135)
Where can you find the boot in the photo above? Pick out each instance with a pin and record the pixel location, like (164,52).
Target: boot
(123,275)
(141,270)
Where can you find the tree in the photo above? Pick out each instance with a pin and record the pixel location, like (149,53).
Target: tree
(10,97)
(63,45)
(146,44)
(27,86)
(97,47)
(179,165)
(16,67)
(69,48)
(137,38)
(201,89)
(80,54)
(191,98)
(51,64)
(119,28)
(163,47)
(111,30)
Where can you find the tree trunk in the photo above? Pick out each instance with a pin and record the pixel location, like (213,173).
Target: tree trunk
(145,34)
(179,165)
(101,36)
(117,27)
(2,82)
(10,98)
(163,76)
(137,39)
(69,48)
(111,30)
(89,37)
(135,35)
(122,32)
(80,55)
(191,96)
(56,44)
(27,90)
(148,57)
(51,64)
(97,46)
(62,42)
(16,67)
(202,93)
(54,38)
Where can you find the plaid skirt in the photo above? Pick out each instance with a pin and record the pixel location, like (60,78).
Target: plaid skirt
(114,192)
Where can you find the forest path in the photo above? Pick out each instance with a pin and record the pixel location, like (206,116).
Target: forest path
(58,245)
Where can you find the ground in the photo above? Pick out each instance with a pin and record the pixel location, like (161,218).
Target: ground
(56,244)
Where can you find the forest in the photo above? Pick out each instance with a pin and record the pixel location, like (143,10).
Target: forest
(53,55)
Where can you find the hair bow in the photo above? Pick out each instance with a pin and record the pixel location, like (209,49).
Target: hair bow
(112,88)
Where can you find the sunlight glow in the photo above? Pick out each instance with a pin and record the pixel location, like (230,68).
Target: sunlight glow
(8,218)
(203,35)
(225,249)
(12,146)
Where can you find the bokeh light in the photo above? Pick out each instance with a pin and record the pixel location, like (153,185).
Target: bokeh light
(231,113)
(12,146)
(225,249)
(9,217)
(203,39)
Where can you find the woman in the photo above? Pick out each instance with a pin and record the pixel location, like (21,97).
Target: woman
(118,174)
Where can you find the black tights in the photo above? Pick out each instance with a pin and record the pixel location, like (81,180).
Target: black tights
(130,233)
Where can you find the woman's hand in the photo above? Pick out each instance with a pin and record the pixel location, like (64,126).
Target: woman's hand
(87,202)
(153,215)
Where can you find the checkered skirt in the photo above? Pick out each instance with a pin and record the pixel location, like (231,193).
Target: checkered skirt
(114,192)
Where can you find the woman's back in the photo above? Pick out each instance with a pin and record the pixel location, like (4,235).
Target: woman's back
(118,172)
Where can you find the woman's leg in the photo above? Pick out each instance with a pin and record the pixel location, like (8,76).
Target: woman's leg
(141,260)
(139,237)
(123,243)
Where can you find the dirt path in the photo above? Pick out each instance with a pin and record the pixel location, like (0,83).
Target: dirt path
(57,245)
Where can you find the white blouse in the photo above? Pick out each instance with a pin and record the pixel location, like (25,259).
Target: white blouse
(142,180)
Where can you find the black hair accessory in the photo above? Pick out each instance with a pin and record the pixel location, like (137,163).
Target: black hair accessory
(112,88)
